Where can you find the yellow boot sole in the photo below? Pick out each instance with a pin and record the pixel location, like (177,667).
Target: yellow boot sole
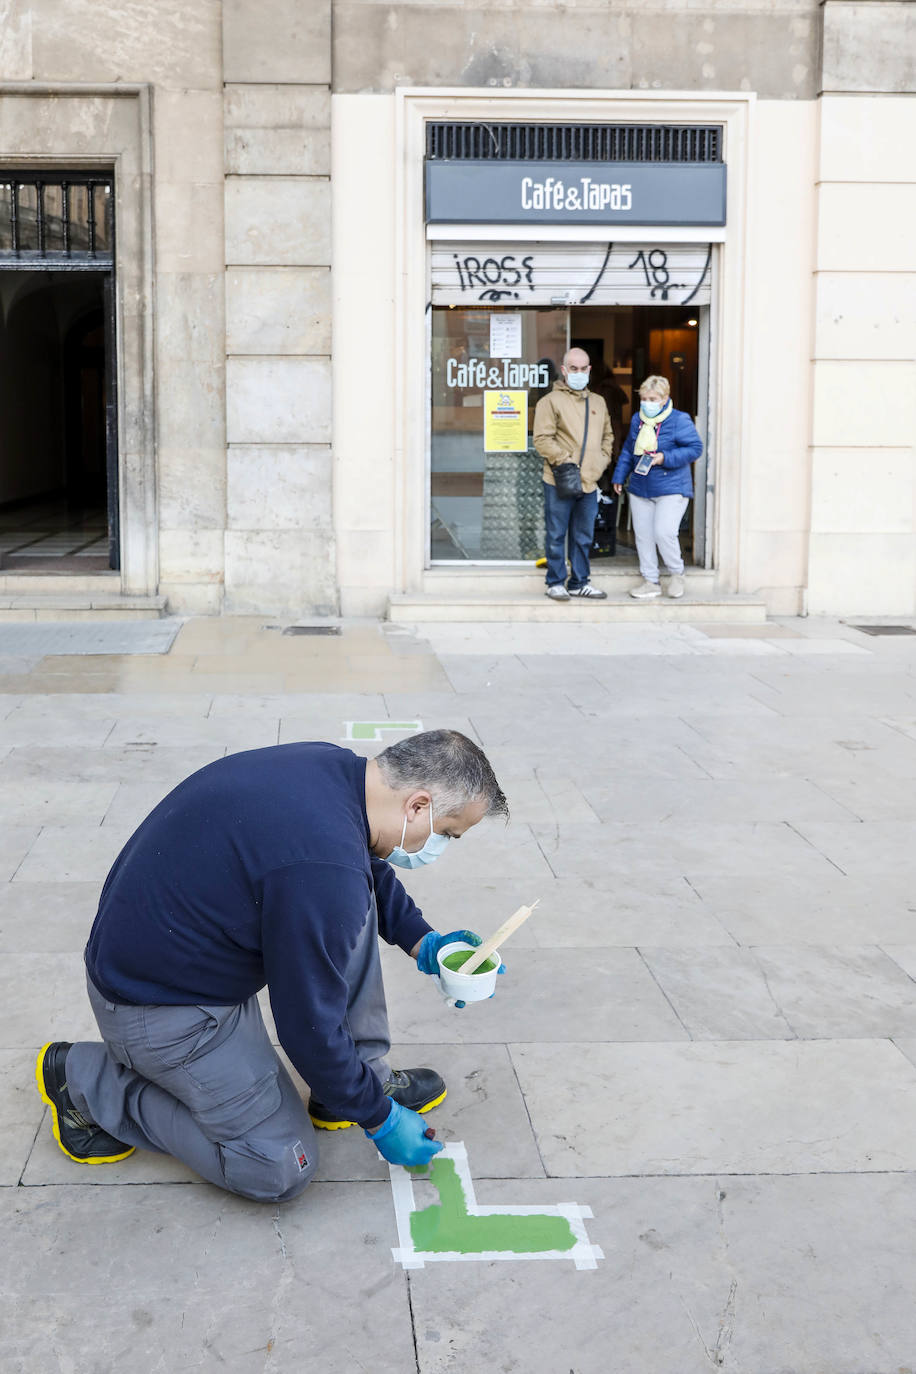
(323,1125)
(55,1124)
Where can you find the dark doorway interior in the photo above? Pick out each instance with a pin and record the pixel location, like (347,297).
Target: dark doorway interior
(54,503)
(626,344)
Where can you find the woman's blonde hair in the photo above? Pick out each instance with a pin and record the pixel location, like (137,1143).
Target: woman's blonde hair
(658,384)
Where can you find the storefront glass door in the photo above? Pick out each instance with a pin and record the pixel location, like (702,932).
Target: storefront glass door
(489,369)
(491,365)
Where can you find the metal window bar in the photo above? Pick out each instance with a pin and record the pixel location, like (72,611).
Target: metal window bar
(29,240)
(574,142)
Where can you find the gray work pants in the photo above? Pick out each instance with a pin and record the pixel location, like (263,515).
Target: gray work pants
(204,1083)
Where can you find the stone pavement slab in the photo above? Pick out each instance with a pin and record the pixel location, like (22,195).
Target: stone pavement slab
(541,1001)
(202,1280)
(582,913)
(716,802)
(16,841)
(21,1113)
(793,746)
(43,998)
(742,1107)
(46,918)
(806,908)
(135,762)
(838,992)
(72,853)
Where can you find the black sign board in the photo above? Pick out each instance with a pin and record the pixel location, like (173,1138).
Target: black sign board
(650,193)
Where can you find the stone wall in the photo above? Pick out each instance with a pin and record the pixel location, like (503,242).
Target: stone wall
(767,46)
(279,534)
(170,251)
(863,483)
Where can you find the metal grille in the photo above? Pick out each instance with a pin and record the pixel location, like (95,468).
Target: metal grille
(574,142)
(883,629)
(63,220)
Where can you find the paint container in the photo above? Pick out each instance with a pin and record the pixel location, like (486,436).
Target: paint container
(467,987)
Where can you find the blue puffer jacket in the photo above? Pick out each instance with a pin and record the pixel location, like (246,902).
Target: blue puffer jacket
(681,445)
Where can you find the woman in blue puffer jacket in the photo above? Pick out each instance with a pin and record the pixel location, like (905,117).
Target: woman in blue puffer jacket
(664,442)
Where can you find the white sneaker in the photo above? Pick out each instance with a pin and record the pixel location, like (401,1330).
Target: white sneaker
(588,590)
(558,592)
(676,585)
(646,590)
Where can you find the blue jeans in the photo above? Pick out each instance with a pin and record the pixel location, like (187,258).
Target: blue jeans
(572,522)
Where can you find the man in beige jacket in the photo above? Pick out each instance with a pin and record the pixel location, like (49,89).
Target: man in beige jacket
(559,430)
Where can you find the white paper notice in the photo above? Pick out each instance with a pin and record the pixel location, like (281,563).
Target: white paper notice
(505,336)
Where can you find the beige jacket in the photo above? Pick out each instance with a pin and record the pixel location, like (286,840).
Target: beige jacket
(559,425)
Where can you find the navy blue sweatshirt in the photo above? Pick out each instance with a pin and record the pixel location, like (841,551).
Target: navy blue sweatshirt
(256,870)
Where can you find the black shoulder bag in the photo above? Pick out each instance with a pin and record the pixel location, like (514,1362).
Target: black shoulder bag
(568,476)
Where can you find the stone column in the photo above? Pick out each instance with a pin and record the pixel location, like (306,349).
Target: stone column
(863,496)
(279,532)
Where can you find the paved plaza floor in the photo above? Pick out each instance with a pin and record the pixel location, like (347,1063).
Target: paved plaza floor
(704,1047)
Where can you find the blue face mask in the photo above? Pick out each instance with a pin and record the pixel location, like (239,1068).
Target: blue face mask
(652,408)
(577,380)
(434,846)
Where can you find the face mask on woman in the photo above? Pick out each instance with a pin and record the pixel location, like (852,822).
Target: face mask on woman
(652,408)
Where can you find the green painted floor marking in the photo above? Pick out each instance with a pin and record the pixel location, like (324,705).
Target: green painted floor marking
(449,1227)
(372,729)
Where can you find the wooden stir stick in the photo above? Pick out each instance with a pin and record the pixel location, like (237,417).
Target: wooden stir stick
(507,928)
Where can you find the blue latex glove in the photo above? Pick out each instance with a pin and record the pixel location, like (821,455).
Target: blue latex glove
(401,1138)
(430,945)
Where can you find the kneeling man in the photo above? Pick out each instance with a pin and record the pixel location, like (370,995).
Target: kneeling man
(264,868)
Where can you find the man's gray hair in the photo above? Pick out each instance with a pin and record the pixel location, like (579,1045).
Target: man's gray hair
(447,765)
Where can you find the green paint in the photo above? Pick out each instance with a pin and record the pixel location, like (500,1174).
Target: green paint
(448,1227)
(371,729)
(461,956)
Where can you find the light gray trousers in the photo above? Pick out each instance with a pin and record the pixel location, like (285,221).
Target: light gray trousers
(204,1083)
(656,521)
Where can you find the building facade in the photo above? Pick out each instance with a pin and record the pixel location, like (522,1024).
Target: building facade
(281,284)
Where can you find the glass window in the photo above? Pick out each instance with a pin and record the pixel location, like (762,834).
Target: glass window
(486,493)
(79,218)
(53,218)
(27,199)
(6,216)
(101,199)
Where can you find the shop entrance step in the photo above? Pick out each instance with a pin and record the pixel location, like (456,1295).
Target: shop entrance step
(87,596)
(517,594)
(535,607)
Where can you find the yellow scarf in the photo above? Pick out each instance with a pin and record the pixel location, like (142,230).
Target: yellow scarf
(647,438)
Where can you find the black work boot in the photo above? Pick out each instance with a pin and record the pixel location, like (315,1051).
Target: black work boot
(80,1139)
(418,1089)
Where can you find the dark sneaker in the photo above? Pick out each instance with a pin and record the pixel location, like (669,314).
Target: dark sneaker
(418,1089)
(80,1139)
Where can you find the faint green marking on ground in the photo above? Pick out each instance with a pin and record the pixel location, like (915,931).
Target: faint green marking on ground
(448,1226)
(372,729)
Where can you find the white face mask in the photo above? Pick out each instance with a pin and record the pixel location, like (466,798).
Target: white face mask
(434,846)
(577,380)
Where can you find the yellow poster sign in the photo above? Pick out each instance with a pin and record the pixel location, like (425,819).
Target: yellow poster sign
(505,421)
